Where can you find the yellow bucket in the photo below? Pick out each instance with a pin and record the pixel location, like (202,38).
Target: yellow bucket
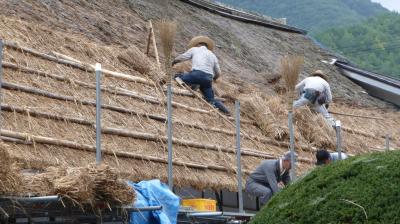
(200,204)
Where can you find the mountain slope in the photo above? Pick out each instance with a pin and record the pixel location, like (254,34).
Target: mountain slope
(373,44)
(313,15)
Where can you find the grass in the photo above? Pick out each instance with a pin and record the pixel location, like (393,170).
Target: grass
(362,189)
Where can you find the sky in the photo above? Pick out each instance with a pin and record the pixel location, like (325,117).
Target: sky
(393,5)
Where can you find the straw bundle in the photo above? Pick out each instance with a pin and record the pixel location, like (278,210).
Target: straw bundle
(183,67)
(76,185)
(134,58)
(109,187)
(37,184)
(226,90)
(314,128)
(167,36)
(290,69)
(258,109)
(10,180)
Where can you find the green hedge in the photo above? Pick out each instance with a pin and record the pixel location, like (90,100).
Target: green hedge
(327,194)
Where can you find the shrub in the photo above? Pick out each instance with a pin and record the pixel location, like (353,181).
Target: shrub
(363,189)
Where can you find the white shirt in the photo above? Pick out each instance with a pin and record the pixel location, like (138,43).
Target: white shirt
(335,156)
(202,59)
(281,167)
(317,83)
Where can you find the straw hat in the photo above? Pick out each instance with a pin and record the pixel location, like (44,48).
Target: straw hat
(201,39)
(321,74)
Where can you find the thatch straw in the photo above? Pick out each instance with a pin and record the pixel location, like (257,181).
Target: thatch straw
(109,187)
(167,36)
(77,185)
(134,58)
(314,128)
(10,180)
(258,109)
(291,67)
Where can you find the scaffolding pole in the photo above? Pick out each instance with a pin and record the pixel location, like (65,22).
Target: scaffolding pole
(338,127)
(98,113)
(292,153)
(1,78)
(239,158)
(169,133)
(387,142)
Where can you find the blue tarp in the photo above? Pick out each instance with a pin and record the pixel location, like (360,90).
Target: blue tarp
(155,193)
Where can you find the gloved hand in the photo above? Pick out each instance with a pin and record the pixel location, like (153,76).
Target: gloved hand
(174,62)
(327,105)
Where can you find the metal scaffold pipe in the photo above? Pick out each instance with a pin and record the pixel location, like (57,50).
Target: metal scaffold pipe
(98,113)
(1,76)
(239,158)
(292,153)
(338,127)
(169,133)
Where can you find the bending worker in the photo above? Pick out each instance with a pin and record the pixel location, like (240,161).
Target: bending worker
(269,178)
(315,92)
(324,157)
(205,68)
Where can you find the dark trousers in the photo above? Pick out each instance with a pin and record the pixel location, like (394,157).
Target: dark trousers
(204,80)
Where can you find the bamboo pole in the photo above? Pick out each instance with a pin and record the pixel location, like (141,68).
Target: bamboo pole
(149,38)
(81,121)
(28,138)
(76,64)
(354,115)
(181,92)
(113,90)
(358,132)
(153,39)
(36,91)
(139,135)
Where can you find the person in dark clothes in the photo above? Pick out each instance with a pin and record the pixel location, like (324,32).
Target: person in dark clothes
(269,178)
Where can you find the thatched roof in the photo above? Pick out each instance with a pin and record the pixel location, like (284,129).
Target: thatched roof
(48,114)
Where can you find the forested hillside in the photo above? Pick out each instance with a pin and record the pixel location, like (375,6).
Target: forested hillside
(313,15)
(373,45)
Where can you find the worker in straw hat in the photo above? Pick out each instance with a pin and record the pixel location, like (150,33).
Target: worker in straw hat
(270,177)
(315,92)
(205,68)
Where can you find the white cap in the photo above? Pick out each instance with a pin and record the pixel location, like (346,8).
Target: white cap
(98,67)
